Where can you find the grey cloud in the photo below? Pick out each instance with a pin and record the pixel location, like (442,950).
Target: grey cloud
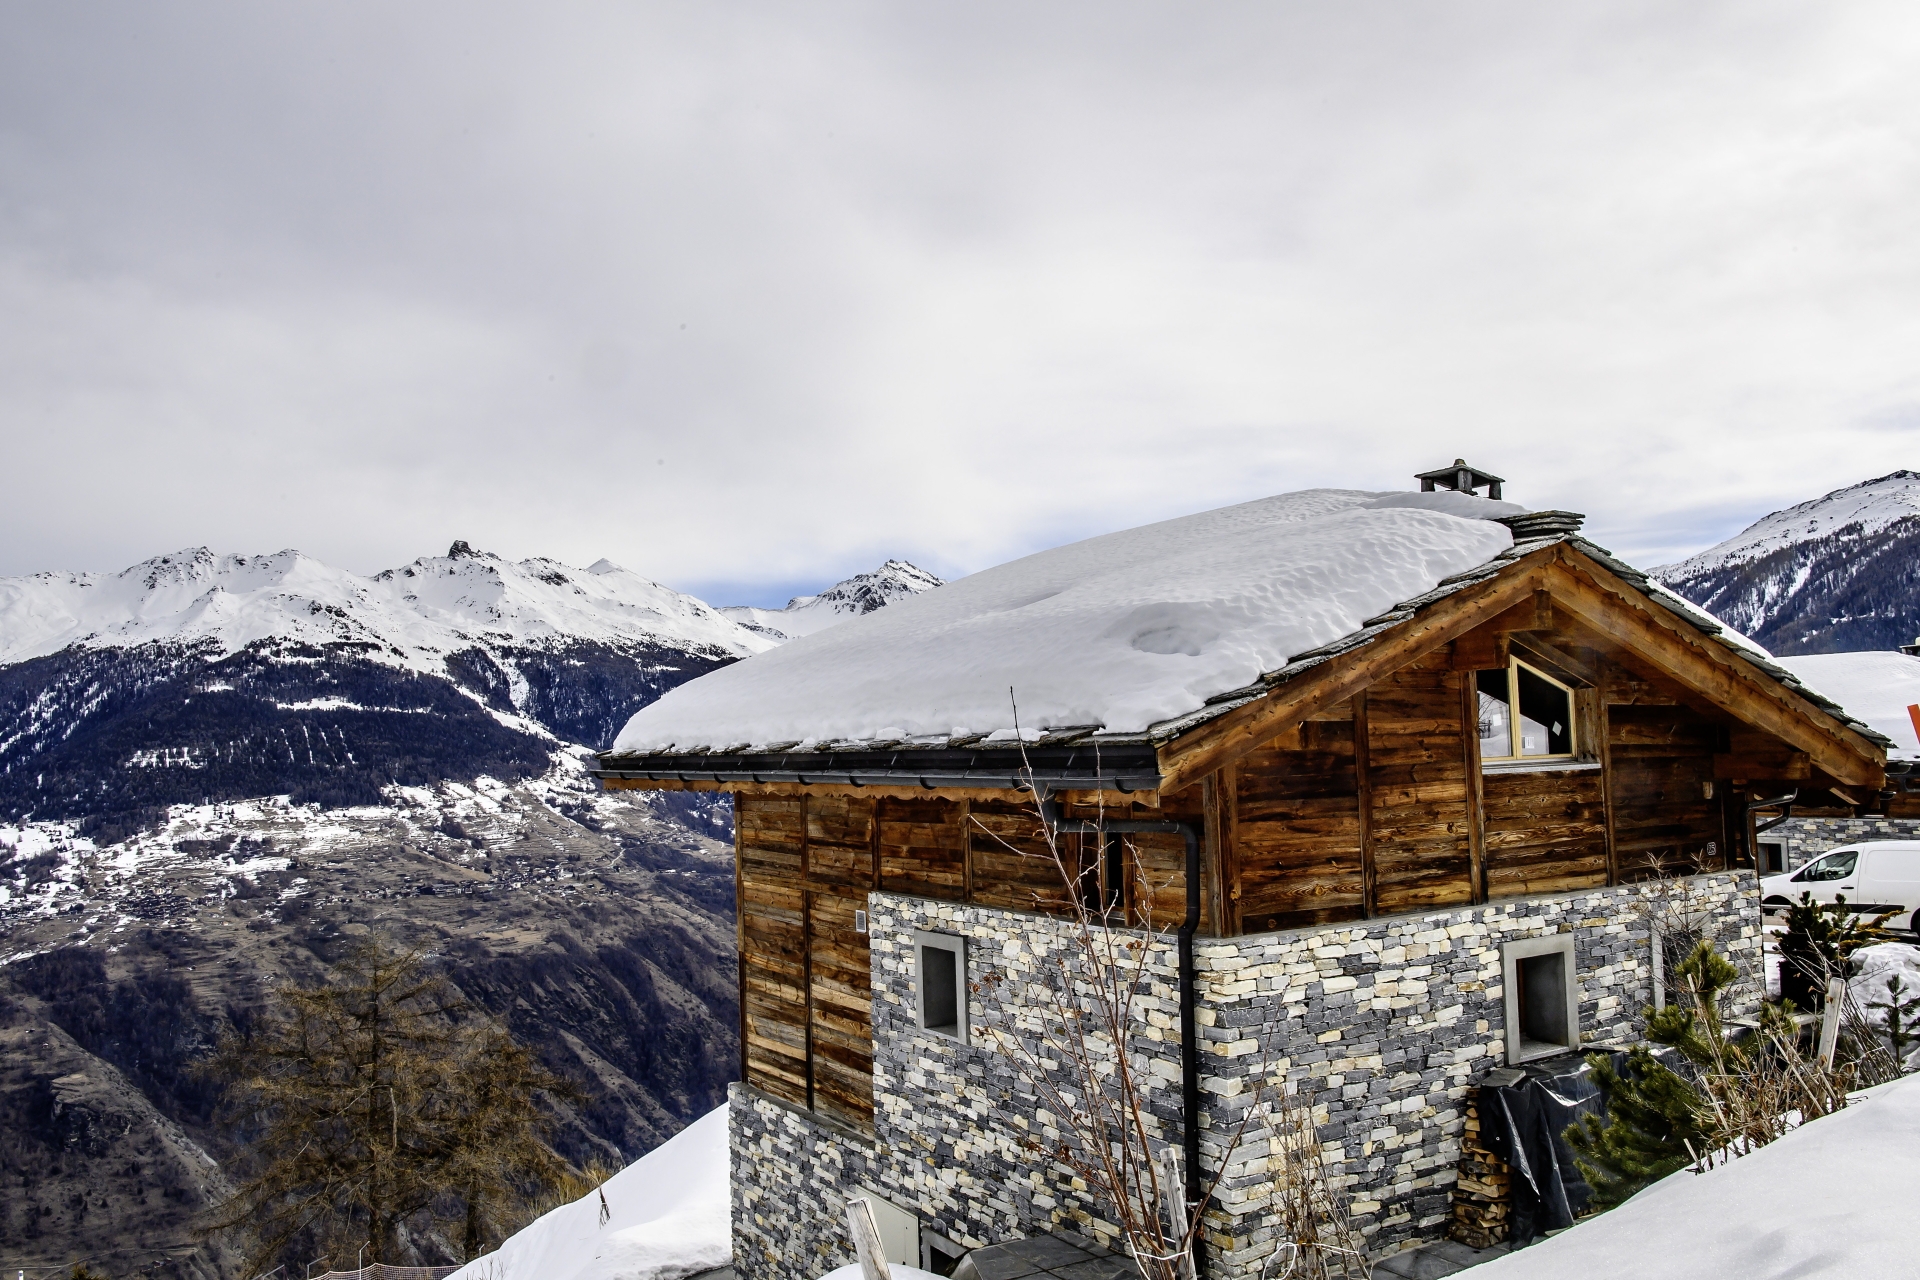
(763,293)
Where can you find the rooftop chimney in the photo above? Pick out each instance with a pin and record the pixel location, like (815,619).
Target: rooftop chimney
(1461,478)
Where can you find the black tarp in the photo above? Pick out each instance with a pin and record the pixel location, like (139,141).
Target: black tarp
(1523,1124)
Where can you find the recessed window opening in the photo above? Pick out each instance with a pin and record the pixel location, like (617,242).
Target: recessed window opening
(939,1254)
(940,972)
(1542,998)
(1524,715)
(1773,857)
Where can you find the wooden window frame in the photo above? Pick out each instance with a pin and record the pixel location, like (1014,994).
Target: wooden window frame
(1514,760)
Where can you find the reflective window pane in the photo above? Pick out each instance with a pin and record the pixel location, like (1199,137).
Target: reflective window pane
(1835,866)
(1546,717)
(1496,725)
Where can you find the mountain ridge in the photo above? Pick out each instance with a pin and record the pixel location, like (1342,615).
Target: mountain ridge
(1837,573)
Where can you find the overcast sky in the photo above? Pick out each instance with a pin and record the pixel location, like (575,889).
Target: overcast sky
(750,297)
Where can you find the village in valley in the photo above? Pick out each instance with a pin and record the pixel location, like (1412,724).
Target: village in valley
(1075,642)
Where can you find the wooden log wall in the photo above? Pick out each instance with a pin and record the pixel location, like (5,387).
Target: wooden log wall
(1294,856)
(1546,832)
(1668,816)
(1416,787)
(806,863)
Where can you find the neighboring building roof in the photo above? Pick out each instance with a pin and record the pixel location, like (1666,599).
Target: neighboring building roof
(1115,644)
(1878,686)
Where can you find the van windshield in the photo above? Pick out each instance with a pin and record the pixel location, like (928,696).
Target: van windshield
(1837,865)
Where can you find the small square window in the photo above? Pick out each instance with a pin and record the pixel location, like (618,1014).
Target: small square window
(1542,998)
(940,983)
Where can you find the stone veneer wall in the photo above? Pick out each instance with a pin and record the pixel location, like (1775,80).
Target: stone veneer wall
(1382,1025)
(1379,1025)
(1808,838)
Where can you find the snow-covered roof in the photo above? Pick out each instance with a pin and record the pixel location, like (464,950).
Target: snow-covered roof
(1877,686)
(1120,632)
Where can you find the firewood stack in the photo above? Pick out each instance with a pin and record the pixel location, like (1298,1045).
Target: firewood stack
(1483,1194)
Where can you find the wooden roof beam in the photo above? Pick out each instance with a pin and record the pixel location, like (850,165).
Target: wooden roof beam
(1193,755)
(1691,658)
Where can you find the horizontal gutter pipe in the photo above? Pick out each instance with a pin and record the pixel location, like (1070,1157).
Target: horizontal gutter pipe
(930,779)
(1189,994)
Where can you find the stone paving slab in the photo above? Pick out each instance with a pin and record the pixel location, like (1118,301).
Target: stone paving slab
(1430,1262)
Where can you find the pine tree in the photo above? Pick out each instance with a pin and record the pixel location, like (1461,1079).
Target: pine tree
(373,1099)
(1652,1116)
(1902,1012)
(1819,939)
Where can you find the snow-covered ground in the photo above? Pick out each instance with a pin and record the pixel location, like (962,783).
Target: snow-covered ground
(1832,1198)
(666,1215)
(1871,505)
(1120,631)
(1876,686)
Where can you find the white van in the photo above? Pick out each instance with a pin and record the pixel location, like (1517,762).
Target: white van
(1873,878)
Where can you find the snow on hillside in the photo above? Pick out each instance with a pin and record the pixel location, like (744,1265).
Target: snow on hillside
(1876,686)
(1123,630)
(860,594)
(416,614)
(1872,505)
(666,1215)
(1830,1199)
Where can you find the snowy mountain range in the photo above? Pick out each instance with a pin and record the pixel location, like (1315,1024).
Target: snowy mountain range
(1836,574)
(196,677)
(860,594)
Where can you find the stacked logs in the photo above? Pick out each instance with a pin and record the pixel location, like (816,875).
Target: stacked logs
(1483,1193)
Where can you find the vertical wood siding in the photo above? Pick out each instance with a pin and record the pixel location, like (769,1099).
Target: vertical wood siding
(1417,786)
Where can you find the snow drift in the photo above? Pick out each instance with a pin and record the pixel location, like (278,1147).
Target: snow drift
(1829,1199)
(668,1215)
(1120,631)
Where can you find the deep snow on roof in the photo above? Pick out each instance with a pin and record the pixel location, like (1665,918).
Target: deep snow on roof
(1877,686)
(1121,631)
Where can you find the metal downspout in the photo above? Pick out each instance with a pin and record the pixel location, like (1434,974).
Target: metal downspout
(1189,997)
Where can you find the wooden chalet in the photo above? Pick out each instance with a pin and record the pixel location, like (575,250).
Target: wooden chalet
(1549,721)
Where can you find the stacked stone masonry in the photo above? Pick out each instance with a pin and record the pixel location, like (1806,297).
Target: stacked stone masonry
(1380,1026)
(1808,838)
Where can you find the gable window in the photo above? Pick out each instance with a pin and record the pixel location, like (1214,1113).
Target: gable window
(940,983)
(1524,715)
